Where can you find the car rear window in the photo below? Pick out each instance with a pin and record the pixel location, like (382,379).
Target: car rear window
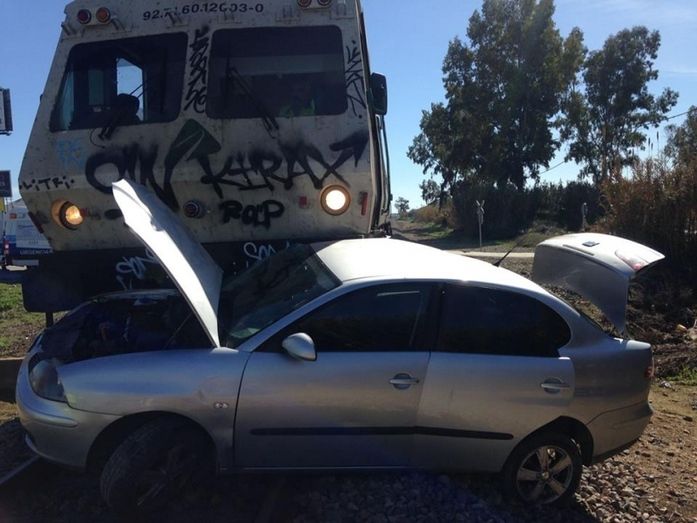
(477,320)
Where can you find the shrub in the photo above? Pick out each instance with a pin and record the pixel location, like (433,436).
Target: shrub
(657,206)
(432,214)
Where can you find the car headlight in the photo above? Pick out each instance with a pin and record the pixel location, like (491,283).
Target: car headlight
(44,381)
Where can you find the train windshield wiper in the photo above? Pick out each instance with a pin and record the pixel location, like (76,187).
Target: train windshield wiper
(267,118)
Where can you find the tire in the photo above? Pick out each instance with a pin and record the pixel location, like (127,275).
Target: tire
(152,465)
(544,469)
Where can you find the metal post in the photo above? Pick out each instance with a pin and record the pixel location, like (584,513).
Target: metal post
(49,319)
(480,219)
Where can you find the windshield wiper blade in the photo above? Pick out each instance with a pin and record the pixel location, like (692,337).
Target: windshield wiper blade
(269,120)
(125,109)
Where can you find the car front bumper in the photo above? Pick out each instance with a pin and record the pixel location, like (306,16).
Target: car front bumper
(618,429)
(56,431)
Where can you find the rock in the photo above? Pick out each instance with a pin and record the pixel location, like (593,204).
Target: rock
(688,418)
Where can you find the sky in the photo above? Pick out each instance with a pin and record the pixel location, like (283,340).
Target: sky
(407,41)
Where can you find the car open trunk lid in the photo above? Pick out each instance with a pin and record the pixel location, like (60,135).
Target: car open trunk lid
(192,269)
(599,267)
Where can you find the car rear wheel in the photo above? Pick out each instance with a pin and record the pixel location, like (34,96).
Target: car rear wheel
(544,469)
(152,465)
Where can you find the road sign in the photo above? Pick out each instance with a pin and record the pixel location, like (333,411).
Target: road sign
(5,112)
(5,185)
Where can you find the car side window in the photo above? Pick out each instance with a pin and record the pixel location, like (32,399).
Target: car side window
(476,320)
(378,318)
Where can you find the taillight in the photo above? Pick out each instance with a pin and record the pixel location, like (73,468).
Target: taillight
(649,372)
(84,16)
(304,4)
(103,15)
(635,262)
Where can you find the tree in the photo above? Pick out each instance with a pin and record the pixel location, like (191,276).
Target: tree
(503,88)
(605,123)
(402,205)
(431,192)
(682,139)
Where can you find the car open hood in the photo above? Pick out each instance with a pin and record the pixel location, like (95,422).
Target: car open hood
(194,272)
(599,267)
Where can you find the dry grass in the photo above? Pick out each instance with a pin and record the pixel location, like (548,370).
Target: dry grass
(17,327)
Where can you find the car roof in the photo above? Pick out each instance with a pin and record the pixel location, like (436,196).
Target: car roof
(397,259)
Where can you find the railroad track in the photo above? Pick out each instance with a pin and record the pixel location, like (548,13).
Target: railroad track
(18,471)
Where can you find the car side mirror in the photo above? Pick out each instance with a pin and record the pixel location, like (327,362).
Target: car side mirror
(378,93)
(300,346)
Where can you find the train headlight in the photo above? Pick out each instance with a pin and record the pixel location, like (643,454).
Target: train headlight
(67,214)
(335,200)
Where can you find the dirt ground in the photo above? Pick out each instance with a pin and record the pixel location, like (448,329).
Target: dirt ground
(655,480)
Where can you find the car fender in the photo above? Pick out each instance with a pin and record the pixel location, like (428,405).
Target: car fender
(202,385)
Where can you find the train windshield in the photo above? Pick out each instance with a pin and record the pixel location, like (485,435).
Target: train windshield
(277,71)
(121,82)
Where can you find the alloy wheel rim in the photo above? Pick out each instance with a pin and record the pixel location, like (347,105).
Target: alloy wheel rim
(545,475)
(172,472)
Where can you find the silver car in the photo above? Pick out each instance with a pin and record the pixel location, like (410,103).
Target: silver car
(370,354)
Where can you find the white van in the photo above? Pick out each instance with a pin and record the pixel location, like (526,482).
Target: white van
(22,243)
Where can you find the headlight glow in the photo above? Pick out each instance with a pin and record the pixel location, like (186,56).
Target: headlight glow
(335,200)
(67,214)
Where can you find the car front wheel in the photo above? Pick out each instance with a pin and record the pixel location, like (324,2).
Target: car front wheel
(152,465)
(544,469)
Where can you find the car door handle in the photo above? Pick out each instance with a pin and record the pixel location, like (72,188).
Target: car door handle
(403,381)
(554,385)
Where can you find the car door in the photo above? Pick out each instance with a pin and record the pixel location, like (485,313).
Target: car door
(495,375)
(356,405)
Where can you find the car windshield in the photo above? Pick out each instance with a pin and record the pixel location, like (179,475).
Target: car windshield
(264,293)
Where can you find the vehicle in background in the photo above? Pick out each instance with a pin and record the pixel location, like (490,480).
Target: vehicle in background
(351,354)
(260,124)
(4,244)
(22,243)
